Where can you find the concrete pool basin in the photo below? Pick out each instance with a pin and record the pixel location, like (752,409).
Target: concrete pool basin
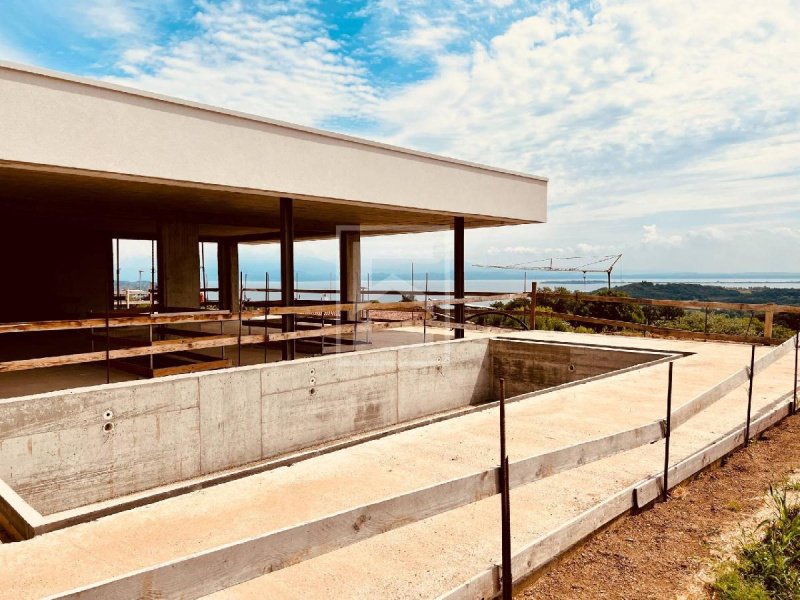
(72,456)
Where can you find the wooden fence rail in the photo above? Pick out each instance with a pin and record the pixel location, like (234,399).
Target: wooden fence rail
(769,311)
(219,568)
(193,343)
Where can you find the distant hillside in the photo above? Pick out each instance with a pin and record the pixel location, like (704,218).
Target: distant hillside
(695,291)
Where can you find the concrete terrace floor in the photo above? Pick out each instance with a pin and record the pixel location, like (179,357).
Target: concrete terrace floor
(428,558)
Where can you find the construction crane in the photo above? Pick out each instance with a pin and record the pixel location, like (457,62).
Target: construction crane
(579,264)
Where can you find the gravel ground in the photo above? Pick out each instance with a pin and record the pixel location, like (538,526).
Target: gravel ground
(670,550)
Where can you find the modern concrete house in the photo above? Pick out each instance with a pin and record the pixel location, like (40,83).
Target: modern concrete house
(371,474)
(83,162)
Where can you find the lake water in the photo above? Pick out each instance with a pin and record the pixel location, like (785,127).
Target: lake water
(398,285)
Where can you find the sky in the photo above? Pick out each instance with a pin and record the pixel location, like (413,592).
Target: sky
(669,131)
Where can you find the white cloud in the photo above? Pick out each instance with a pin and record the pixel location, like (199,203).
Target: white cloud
(111,17)
(650,235)
(270,58)
(533,250)
(423,37)
(724,249)
(639,109)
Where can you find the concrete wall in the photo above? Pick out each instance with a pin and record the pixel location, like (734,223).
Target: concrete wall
(532,366)
(67,449)
(53,119)
(56,272)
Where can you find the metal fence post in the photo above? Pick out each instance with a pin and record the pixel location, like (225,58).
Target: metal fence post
(266,313)
(796,349)
(505,504)
(425,313)
(750,374)
(667,432)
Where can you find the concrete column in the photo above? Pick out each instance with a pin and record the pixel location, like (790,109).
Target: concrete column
(228,274)
(458,272)
(179,265)
(349,267)
(287,273)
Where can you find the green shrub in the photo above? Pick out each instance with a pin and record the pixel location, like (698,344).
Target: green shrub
(768,566)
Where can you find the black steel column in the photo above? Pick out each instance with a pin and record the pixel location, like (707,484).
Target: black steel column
(796,352)
(667,432)
(287,273)
(750,374)
(458,271)
(505,502)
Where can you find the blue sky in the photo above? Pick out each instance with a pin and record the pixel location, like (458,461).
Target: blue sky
(670,131)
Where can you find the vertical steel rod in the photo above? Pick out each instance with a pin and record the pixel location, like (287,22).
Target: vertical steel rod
(796,349)
(425,314)
(667,432)
(505,503)
(750,374)
(109,292)
(322,338)
(152,275)
(355,314)
(203,269)
(241,302)
(266,312)
(118,282)
(152,299)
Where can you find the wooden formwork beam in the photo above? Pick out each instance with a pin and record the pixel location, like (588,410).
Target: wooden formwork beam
(184,344)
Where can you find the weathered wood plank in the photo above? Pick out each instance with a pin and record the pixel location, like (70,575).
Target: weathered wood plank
(548,547)
(709,397)
(779,308)
(649,490)
(219,568)
(183,344)
(679,333)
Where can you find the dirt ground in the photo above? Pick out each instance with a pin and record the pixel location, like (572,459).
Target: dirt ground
(670,550)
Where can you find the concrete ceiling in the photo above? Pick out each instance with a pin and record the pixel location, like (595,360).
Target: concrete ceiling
(126,207)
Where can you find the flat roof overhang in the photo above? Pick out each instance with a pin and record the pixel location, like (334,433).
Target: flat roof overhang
(82,150)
